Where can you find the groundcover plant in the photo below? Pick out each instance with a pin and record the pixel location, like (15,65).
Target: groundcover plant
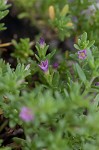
(49,97)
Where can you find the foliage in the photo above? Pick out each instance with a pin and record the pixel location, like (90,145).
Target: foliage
(61,21)
(81,16)
(3,13)
(22,49)
(56,108)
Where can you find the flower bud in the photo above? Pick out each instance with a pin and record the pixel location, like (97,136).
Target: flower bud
(69,24)
(65,10)
(42,43)
(51,12)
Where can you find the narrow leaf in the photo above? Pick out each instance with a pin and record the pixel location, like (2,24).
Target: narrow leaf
(80,72)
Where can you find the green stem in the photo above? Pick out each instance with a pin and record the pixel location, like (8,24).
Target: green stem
(3,125)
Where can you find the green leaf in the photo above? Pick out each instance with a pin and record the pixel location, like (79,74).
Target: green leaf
(3,14)
(90,44)
(45,49)
(23,15)
(79,41)
(65,10)
(37,58)
(56,79)
(76,46)
(81,73)
(84,37)
(90,58)
(12,124)
(2,26)
(49,56)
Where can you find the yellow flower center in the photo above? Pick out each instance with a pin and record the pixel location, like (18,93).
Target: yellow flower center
(82,54)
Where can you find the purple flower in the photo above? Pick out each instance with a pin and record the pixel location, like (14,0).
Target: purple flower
(26,114)
(42,42)
(55,65)
(97,83)
(82,54)
(44,65)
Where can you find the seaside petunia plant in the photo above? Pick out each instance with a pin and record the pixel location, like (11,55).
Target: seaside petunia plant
(46,105)
(62,107)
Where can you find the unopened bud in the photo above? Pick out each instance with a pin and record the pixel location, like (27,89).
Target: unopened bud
(65,10)
(67,54)
(51,12)
(69,24)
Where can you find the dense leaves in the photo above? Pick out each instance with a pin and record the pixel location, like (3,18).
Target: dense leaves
(48,107)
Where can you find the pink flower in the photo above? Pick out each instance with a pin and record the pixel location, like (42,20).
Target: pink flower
(55,65)
(44,65)
(97,83)
(26,114)
(82,54)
